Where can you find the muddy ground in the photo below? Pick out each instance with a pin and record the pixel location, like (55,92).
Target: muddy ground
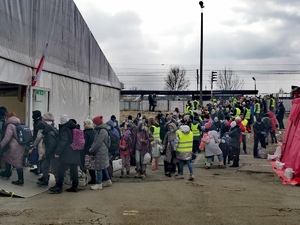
(216,196)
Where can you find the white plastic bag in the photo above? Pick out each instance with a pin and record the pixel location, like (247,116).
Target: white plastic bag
(289,173)
(147,158)
(272,157)
(279,165)
(117,164)
(278,151)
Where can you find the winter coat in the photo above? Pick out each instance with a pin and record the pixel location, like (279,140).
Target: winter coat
(50,140)
(39,143)
(280,112)
(141,139)
(273,121)
(267,123)
(169,138)
(100,147)
(258,128)
(212,148)
(235,134)
(15,153)
(89,135)
(64,150)
(126,140)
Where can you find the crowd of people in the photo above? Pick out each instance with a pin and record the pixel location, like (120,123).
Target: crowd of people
(218,129)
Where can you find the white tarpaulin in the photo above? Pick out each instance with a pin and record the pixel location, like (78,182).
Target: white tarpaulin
(26,27)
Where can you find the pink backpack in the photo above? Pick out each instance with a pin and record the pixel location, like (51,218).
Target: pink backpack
(205,138)
(78,140)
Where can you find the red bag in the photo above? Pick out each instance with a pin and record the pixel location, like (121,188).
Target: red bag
(202,146)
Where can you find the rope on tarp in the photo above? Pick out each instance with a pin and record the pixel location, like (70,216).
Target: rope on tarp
(7,192)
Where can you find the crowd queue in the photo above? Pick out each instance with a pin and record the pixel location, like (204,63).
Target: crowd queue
(219,129)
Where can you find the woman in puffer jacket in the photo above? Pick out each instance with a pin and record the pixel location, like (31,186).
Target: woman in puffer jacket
(13,157)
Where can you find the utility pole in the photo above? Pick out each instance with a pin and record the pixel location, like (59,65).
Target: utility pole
(197,78)
(201,53)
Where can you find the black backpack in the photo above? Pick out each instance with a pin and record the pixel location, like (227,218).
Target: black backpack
(113,144)
(24,134)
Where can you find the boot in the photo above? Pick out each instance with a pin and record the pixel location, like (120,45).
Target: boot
(221,165)
(56,189)
(43,181)
(93,177)
(7,172)
(20,180)
(235,164)
(207,166)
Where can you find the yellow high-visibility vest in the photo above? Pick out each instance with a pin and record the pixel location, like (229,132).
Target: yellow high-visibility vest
(195,130)
(238,112)
(185,142)
(156,132)
(272,100)
(248,113)
(257,107)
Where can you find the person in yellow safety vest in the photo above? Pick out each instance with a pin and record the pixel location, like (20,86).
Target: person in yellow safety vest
(272,103)
(234,100)
(247,116)
(188,106)
(245,124)
(236,112)
(184,150)
(154,129)
(196,104)
(257,109)
(195,128)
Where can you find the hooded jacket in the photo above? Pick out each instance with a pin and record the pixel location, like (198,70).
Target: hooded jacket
(15,153)
(64,150)
(273,120)
(169,142)
(141,139)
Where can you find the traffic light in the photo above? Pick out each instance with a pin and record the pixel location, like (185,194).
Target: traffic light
(213,76)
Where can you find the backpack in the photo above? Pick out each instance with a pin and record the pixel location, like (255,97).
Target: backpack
(78,140)
(205,138)
(114,142)
(24,135)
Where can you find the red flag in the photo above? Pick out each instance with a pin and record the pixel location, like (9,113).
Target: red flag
(39,68)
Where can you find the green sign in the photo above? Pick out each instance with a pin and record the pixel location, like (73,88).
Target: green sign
(40,92)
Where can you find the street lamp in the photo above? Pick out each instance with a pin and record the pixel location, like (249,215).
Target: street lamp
(201,52)
(253,78)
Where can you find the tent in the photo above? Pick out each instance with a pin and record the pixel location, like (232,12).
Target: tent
(290,149)
(77,78)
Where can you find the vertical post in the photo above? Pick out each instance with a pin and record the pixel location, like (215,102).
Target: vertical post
(211,86)
(197,78)
(201,53)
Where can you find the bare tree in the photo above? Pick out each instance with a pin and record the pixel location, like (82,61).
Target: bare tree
(176,80)
(228,80)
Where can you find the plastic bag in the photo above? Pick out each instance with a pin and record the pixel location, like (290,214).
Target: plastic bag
(272,157)
(147,158)
(202,146)
(262,153)
(279,165)
(289,173)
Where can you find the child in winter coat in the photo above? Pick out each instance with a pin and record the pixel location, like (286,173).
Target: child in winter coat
(225,147)
(156,149)
(125,152)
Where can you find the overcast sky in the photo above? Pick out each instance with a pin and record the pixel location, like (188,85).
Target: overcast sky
(142,39)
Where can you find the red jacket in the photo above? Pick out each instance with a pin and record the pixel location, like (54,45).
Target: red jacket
(273,121)
(242,129)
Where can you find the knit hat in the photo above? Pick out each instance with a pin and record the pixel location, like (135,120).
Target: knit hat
(36,114)
(48,117)
(3,111)
(98,120)
(63,119)
(208,125)
(233,124)
(258,119)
